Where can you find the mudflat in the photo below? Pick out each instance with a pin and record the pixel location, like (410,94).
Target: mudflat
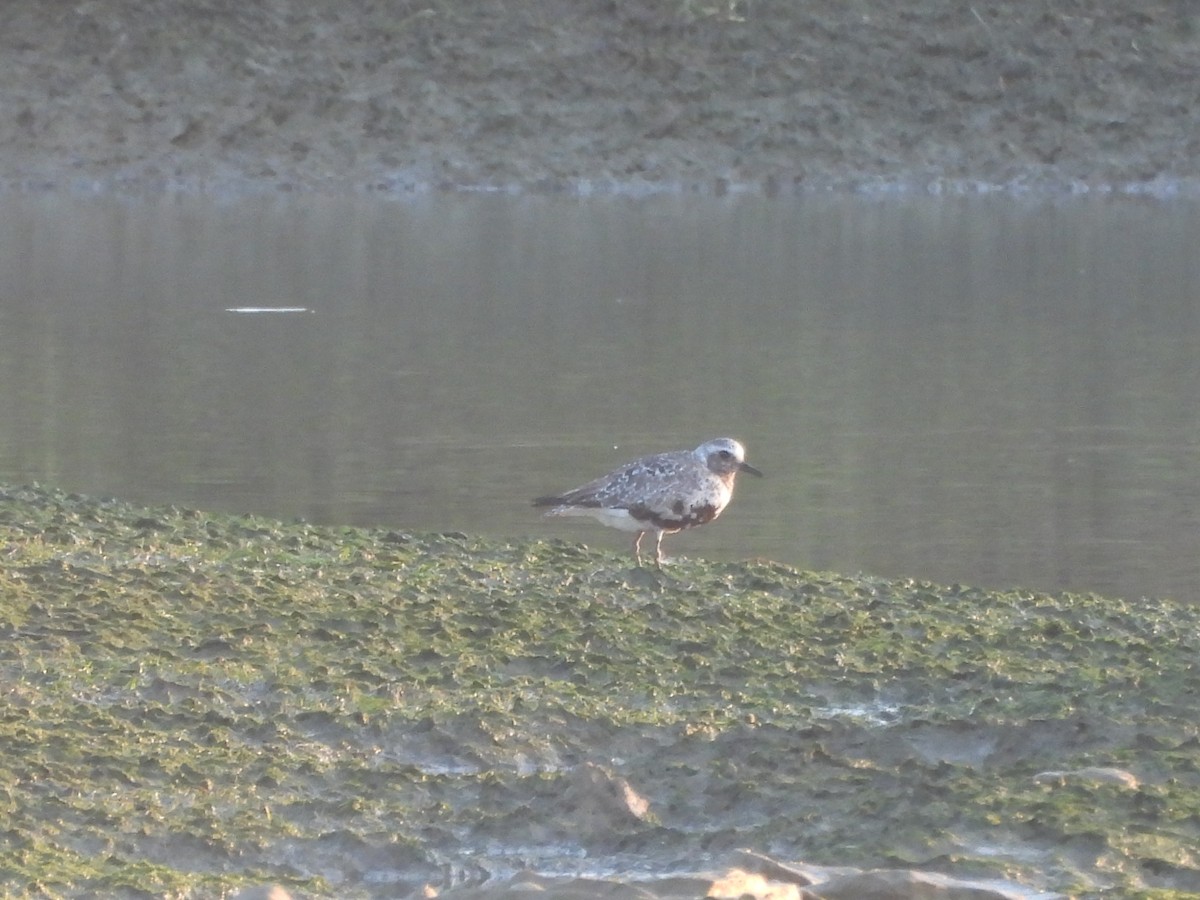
(197,704)
(568,94)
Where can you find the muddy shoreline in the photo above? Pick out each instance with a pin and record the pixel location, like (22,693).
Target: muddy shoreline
(631,95)
(198,703)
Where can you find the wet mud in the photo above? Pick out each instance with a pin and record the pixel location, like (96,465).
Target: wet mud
(197,704)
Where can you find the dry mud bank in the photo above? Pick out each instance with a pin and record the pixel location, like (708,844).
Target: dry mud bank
(563,94)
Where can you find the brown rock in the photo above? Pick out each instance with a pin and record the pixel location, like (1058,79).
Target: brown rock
(738,883)
(598,800)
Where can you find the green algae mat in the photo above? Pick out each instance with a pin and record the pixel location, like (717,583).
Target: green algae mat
(193,703)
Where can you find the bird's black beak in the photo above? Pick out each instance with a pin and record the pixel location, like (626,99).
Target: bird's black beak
(746,467)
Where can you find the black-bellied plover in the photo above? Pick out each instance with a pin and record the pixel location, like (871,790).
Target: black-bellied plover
(663,493)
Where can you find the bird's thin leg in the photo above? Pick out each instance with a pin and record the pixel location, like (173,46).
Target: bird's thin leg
(658,557)
(637,550)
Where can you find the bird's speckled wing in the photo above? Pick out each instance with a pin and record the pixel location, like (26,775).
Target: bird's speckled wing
(668,490)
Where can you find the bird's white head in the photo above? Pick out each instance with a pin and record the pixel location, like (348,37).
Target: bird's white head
(724,456)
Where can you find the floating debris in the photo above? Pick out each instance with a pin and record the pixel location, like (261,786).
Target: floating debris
(254,310)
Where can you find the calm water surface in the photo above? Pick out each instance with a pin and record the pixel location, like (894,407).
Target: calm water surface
(998,391)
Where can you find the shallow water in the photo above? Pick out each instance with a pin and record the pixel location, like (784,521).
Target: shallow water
(990,390)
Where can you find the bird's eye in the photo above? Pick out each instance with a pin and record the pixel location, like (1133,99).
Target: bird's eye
(725,454)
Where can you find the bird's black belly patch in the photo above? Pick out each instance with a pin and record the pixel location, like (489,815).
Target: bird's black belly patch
(679,518)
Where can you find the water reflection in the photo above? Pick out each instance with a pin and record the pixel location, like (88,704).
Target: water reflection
(989,390)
